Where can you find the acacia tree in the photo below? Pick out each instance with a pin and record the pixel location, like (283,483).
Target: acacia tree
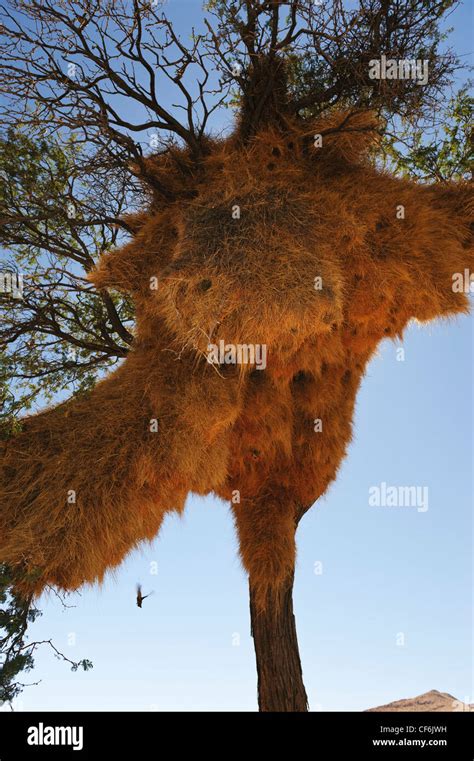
(16,654)
(60,332)
(234,235)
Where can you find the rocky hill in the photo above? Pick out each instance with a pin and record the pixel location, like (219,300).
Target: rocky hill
(429,701)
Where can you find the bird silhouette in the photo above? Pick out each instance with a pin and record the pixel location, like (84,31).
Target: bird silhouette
(141,597)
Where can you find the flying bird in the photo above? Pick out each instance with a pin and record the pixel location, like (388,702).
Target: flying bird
(141,597)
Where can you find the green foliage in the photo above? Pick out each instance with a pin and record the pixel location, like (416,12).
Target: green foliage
(440,154)
(61,334)
(17,613)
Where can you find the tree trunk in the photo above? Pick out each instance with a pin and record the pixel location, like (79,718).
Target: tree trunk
(280,678)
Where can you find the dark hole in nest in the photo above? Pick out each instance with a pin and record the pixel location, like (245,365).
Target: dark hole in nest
(290,145)
(228,369)
(301,377)
(204,285)
(293,331)
(271,166)
(257,376)
(276,151)
(347,376)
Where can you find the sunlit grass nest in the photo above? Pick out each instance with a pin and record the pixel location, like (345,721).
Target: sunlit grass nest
(285,242)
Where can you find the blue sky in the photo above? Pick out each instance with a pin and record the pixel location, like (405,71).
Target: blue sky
(389,575)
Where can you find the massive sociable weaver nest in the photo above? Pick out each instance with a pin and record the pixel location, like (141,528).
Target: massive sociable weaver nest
(284,243)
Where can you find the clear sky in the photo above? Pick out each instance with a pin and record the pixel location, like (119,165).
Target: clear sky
(389,616)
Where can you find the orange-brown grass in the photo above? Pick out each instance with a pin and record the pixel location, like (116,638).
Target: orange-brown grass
(84,482)
(307,250)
